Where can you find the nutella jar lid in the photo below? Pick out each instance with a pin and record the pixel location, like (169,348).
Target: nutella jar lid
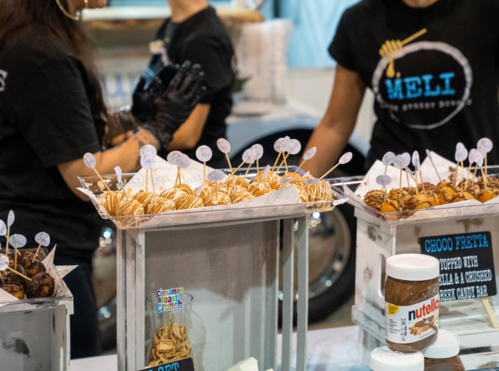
(412,267)
(446,345)
(385,359)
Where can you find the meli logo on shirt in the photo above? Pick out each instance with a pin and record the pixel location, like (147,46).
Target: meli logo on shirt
(422,84)
(3,78)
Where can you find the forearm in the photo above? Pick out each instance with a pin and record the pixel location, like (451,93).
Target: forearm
(330,142)
(127,156)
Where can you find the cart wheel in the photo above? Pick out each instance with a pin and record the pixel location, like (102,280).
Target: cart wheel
(331,262)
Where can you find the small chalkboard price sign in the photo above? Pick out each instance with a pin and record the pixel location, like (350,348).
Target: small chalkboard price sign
(466,265)
(182,365)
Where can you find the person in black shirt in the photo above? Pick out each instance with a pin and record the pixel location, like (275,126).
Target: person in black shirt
(195,33)
(51,113)
(433,66)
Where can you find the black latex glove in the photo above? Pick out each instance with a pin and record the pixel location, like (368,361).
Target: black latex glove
(143,99)
(175,105)
(143,108)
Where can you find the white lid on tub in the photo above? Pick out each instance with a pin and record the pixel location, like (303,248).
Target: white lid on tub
(445,346)
(412,267)
(385,359)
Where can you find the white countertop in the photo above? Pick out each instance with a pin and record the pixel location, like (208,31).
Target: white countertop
(333,349)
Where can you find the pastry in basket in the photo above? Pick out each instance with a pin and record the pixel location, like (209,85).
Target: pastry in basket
(15,290)
(402,195)
(110,202)
(129,207)
(241,195)
(320,191)
(218,199)
(463,196)
(256,188)
(391,206)
(12,278)
(418,202)
(375,199)
(34,267)
(233,181)
(488,194)
(42,285)
(144,197)
(189,202)
(185,188)
(159,205)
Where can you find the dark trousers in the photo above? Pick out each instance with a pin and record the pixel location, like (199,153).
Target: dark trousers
(84,322)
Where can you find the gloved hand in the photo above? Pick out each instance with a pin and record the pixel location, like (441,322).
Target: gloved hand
(175,105)
(143,99)
(149,88)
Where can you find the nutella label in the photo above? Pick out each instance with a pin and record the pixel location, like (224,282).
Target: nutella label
(409,324)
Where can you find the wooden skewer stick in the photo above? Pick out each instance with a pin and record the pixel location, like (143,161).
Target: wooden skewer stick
(486,170)
(407,176)
(7,246)
(283,162)
(242,163)
(15,258)
(436,171)
(102,180)
(334,167)
(462,169)
(147,180)
(490,312)
(230,165)
(286,163)
(474,173)
(467,177)
(16,272)
(400,185)
(246,174)
(36,253)
(204,172)
(257,167)
(484,177)
(277,159)
(152,181)
(299,167)
(1,276)
(422,182)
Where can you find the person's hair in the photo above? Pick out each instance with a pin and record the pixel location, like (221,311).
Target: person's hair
(45,17)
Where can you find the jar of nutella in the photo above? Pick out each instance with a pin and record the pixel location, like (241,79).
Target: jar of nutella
(411,302)
(384,359)
(443,354)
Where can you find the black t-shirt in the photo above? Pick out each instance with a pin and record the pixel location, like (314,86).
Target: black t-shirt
(203,39)
(46,119)
(445,84)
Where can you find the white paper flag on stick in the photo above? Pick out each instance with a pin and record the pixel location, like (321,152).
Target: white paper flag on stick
(310,153)
(3,228)
(43,239)
(11,218)
(119,173)
(384,180)
(17,240)
(204,154)
(4,262)
(223,145)
(89,160)
(388,158)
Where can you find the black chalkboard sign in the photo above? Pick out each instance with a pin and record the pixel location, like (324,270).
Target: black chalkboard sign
(183,365)
(466,265)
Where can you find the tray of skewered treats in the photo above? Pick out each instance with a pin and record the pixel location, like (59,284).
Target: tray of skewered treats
(182,191)
(435,188)
(29,274)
